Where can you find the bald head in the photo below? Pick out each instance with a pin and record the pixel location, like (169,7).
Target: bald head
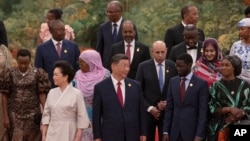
(159,51)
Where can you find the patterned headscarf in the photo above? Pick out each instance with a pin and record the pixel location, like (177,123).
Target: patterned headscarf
(236,63)
(87,80)
(214,64)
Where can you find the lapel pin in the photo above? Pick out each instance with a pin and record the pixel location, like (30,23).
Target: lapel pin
(167,71)
(191,84)
(129,84)
(137,49)
(65,51)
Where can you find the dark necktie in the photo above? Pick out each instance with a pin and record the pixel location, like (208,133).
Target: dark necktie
(160,76)
(183,88)
(114,32)
(128,53)
(119,93)
(58,48)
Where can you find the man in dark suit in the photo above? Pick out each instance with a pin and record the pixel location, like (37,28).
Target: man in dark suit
(187,104)
(155,91)
(174,35)
(190,45)
(3,34)
(106,35)
(118,106)
(56,49)
(136,51)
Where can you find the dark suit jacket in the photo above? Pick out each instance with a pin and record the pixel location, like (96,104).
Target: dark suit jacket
(105,41)
(46,56)
(147,76)
(181,48)
(189,117)
(174,36)
(111,122)
(3,35)
(141,53)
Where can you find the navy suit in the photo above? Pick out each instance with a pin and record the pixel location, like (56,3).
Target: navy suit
(174,36)
(141,53)
(46,56)
(182,48)
(105,41)
(188,118)
(111,121)
(147,76)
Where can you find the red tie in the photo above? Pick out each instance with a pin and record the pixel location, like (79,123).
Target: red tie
(58,48)
(119,93)
(128,52)
(183,88)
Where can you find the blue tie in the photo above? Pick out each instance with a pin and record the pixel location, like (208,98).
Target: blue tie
(114,32)
(160,76)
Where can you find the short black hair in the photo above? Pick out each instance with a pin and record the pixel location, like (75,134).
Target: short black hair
(56,12)
(187,58)
(23,53)
(53,24)
(247,11)
(117,57)
(66,69)
(190,28)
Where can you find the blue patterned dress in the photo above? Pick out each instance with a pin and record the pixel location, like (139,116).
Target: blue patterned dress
(243,52)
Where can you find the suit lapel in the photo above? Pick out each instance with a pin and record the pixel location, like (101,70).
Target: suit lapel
(190,88)
(136,50)
(113,91)
(199,51)
(177,88)
(52,50)
(65,49)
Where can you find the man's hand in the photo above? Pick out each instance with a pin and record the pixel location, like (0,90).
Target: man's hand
(165,137)
(162,105)
(196,138)
(155,112)
(143,138)
(98,139)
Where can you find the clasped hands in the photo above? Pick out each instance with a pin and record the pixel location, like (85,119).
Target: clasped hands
(156,111)
(233,114)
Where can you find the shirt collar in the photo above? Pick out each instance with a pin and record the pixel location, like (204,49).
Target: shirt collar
(115,81)
(118,22)
(189,76)
(132,43)
(183,23)
(55,42)
(156,63)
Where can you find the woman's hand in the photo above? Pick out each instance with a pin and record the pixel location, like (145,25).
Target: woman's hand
(237,113)
(6,122)
(234,114)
